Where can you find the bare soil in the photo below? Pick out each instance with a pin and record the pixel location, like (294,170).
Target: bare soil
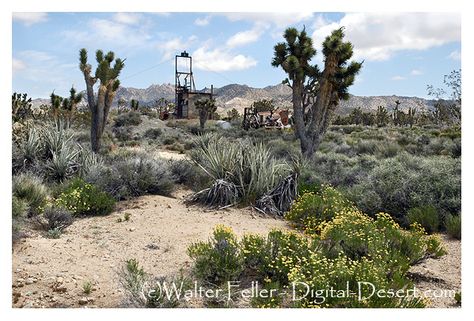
(51,272)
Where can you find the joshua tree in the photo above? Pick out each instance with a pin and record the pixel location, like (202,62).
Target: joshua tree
(70,104)
(134,104)
(56,102)
(410,117)
(315,93)
(206,107)
(121,105)
(233,114)
(356,116)
(381,116)
(447,110)
(108,84)
(21,107)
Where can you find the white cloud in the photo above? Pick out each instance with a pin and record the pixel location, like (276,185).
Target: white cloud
(17,65)
(221,60)
(127,18)
(173,46)
(246,37)
(455,55)
(416,72)
(47,70)
(280,19)
(398,77)
(202,21)
(121,32)
(377,36)
(30,18)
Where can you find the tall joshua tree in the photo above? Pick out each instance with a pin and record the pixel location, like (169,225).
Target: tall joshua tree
(206,107)
(316,93)
(108,84)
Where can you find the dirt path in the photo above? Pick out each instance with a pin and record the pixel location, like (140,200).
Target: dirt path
(438,278)
(51,272)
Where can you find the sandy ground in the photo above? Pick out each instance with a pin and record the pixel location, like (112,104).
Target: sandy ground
(51,272)
(438,279)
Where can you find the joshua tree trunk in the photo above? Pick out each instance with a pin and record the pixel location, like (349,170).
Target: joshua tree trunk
(100,106)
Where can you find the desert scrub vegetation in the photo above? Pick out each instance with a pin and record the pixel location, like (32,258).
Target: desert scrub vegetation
(453,226)
(241,170)
(426,216)
(350,247)
(131,175)
(82,198)
(30,193)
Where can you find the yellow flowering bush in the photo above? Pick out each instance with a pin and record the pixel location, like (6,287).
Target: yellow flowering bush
(82,198)
(315,207)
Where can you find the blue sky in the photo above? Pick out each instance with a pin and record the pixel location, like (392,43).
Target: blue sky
(402,52)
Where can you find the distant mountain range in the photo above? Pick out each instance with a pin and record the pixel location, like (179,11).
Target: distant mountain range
(241,96)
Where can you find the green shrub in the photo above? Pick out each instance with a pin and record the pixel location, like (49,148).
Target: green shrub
(153,133)
(453,226)
(218,260)
(30,188)
(427,216)
(133,176)
(19,207)
(131,118)
(314,207)
(56,218)
(82,198)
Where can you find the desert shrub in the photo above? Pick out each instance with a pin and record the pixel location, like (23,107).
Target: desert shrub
(82,198)
(153,133)
(123,134)
(142,290)
(56,218)
(389,149)
(133,176)
(169,140)
(187,173)
(456,150)
(219,259)
(320,274)
(132,118)
(249,166)
(30,188)
(453,225)
(351,247)
(366,147)
(20,207)
(314,207)
(426,216)
(409,181)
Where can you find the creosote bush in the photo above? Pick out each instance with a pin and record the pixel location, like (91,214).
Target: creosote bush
(345,248)
(82,198)
(316,206)
(132,118)
(453,226)
(426,216)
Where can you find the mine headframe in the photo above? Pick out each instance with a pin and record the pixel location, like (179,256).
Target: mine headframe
(184,83)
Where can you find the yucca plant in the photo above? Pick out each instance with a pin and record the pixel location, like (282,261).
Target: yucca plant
(248,166)
(63,164)
(31,148)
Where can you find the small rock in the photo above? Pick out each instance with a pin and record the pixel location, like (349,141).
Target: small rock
(30,280)
(61,289)
(168,205)
(131,229)
(60,279)
(83,301)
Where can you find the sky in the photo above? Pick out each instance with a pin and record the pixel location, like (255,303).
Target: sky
(402,52)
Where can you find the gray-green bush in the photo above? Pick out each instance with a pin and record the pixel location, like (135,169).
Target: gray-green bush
(30,188)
